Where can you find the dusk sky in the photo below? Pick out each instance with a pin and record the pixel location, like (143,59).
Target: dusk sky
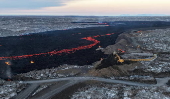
(85,7)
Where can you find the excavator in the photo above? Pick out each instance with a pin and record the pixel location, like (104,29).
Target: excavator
(123,60)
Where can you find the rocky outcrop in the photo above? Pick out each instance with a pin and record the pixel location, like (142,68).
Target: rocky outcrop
(123,42)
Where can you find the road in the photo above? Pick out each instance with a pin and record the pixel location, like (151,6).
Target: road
(74,80)
(27,92)
(160,81)
(57,90)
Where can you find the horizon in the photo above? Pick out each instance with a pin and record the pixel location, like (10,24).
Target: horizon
(85,8)
(93,15)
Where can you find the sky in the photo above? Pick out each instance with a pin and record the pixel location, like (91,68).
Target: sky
(85,7)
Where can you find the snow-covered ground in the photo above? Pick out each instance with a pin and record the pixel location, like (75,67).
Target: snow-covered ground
(10,89)
(118,91)
(156,41)
(21,25)
(157,66)
(58,72)
(15,26)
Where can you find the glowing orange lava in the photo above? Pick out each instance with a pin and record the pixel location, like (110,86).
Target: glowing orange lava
(7,63)
(102,23)
(122,51)
(32,62)
(72,50)
(139,31)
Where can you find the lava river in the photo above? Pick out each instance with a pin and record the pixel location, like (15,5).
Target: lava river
(54,52)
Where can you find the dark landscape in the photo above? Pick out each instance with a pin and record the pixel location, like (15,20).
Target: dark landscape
(84,49)
(64,39)
(83,57)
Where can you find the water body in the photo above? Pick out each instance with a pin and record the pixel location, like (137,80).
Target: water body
(18,49)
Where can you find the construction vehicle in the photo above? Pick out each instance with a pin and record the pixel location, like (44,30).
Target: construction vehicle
(123,60)
(118,57)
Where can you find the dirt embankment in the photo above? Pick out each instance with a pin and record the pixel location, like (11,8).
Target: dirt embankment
(110,67)
(124,42)
(143,41)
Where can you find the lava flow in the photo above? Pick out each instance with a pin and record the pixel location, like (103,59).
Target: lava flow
(72,50)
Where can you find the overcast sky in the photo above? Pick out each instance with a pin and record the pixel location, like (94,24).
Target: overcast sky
(85,7)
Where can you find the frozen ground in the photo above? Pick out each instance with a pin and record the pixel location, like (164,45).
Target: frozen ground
(19,25)
(9,89)
(148,41)
(158,65)
(58,72)
(117,91)
(155,41)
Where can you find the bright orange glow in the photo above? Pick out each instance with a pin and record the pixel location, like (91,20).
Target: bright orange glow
(102,23)
(7,63)
(139,31)
(108,34)
(32,62)
(72,50)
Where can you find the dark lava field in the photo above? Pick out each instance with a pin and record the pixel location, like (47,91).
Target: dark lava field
(24,53)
